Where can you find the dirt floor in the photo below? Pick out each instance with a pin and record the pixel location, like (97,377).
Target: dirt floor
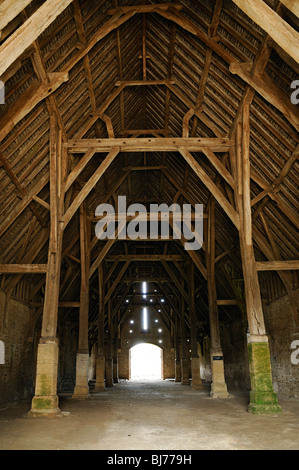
(144,415)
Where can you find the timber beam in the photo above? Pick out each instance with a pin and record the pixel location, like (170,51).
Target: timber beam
(193,144)
(277,265)
(23,268)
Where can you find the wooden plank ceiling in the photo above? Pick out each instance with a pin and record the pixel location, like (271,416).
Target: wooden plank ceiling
(178,70)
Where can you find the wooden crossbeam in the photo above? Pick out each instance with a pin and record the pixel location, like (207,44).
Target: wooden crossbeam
(144,257)
(146,8)
(193,144)
(224,302)
(144,83)
(277,265)
(23,268)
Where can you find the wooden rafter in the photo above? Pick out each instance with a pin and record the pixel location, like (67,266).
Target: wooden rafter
(282,33)
(89,186)
(21,39)
(224,203)
(10,10)
(31,98)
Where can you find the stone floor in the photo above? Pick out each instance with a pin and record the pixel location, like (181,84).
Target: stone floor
(144,415)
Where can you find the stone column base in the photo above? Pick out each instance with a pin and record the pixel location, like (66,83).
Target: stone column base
(81,393)
(45,401)
(219,390)
(45,406)
(218,387)
(263,399)
(196,382)
(81,390)
(100,375)
(185,372)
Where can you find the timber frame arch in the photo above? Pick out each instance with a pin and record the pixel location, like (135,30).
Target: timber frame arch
(93,136)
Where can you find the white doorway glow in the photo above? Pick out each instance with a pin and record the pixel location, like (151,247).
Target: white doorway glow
(146,362)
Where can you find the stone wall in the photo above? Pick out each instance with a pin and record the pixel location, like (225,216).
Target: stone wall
(234,346)
(17,372)
(282,332)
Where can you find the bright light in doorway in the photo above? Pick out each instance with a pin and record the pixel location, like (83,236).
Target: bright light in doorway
(146,362)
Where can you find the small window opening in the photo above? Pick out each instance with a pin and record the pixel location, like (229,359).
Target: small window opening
(144,289)
(144,319)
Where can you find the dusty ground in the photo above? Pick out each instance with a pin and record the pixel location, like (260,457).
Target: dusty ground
(143,415)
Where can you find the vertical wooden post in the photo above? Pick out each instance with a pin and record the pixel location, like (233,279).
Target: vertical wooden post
(115,349)
(218,387)
(196,382)
(109,352)
(177,349)
(100,362)
(81,390)
(45,401)
(184,353)
(263,399)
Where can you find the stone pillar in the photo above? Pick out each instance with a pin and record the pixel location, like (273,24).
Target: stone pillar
(45,401)
(218,386)
(81,390)
(100,374)
(100,361)
(263,399)
(196,382)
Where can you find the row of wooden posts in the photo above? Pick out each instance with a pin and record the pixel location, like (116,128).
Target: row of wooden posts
(241,216)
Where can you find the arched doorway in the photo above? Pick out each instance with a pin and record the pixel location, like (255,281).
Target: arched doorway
(146,362)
